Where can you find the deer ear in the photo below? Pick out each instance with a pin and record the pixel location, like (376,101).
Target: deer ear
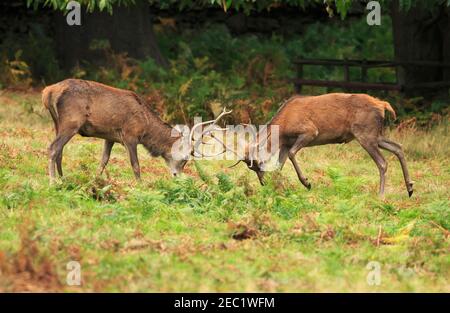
(178,130)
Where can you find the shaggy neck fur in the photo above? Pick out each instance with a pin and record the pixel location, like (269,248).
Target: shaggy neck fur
(158,138)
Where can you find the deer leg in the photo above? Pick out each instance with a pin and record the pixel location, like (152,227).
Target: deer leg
(375,153)
(396,149)
(59,164)
(282,157)
(55,151)
(301,142)
(107,147)
(132,152)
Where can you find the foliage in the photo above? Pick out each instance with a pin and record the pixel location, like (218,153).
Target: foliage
(15,72)
(28,55)
(200,81)
(342,6)
(210,68)
(244,5)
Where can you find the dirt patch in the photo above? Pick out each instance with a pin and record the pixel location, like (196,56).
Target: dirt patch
(257,225)
(138,244)
(28,269)
(241,231)
(102,189)
(328,234)
(111,244)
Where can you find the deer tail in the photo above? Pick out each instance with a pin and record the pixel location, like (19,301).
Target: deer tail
(50,106)
(388,107)
(383,105)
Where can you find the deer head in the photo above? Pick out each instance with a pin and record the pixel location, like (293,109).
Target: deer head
(188,143)
(254,153)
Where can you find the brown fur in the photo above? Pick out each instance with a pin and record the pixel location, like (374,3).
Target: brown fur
(92,109)
(330,119)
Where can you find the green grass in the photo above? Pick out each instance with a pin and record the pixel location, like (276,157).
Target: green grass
(216,229)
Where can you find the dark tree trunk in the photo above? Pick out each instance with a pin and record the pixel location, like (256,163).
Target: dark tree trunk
(421,34)
(444,26)
(133,33)
(128,29)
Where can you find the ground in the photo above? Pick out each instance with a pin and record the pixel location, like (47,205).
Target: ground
(215,228)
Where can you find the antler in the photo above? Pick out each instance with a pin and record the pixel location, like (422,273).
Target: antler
(223,144)
(198,142)
(224,112)
(234,164)
(226,148)
(210,128)
(209,132)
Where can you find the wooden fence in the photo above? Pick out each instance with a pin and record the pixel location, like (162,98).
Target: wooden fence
(364,65)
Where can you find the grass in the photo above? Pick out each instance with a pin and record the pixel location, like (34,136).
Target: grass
(216,229)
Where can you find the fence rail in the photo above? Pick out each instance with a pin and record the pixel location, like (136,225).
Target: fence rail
(363,84)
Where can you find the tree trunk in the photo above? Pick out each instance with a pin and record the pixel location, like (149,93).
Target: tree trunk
(133,33)
(444,26)
(128,29)
(420,34)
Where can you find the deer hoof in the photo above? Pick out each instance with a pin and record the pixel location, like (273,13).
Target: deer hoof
(308,186)
(410,189)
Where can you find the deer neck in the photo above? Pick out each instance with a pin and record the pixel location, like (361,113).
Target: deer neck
(159,138)
(264,147)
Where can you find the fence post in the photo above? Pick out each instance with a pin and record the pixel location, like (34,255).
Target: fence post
(346,72)
(298,85)
(364,71)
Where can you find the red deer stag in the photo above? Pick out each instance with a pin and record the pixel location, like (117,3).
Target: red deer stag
(330,119)
(92,109)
